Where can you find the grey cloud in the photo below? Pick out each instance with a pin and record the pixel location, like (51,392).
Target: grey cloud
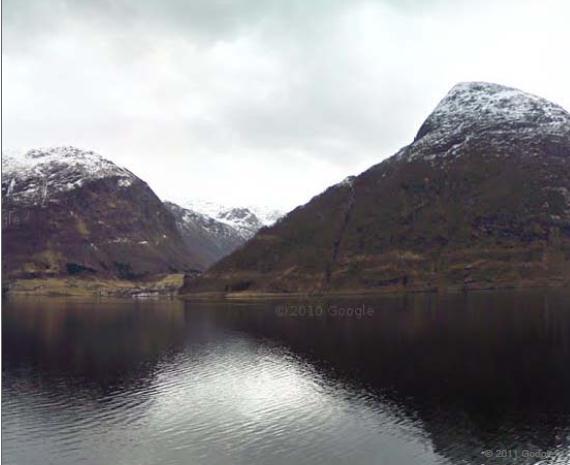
(311,90)
(207,20)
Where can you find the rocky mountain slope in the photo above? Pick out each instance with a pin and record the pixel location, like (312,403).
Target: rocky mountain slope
(479,199)
(210,239)
(69,212)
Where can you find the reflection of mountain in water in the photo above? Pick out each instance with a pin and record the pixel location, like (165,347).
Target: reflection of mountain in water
(486,371)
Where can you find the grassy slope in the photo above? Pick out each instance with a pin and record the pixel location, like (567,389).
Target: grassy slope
(77,287)
(481,220)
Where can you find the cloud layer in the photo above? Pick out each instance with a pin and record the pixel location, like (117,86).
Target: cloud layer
(263,102)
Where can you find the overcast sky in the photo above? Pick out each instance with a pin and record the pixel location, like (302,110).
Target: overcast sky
(260,101)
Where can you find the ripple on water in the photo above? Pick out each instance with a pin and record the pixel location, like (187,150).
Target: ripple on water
(217,395)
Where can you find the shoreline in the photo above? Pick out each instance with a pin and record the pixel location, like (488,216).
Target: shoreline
(155,287)
(168,286)
(386,292)
(253,296)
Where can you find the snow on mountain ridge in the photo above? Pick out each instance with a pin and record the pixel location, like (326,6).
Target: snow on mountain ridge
(480,104)
(246,220)
(214,239)
(33,175)
(479,109)
(60,157)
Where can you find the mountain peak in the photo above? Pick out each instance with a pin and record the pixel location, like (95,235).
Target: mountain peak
(481,199)
(247,218)
(62,157)
(473,111)
(483,106)
(63,151)
(34,175)
(70,212)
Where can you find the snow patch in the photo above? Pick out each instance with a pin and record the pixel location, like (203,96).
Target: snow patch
(125,182)
(348,181)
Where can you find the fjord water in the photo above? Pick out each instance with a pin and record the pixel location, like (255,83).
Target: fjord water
(481,378)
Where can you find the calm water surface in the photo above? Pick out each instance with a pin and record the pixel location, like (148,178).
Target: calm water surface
(478,379)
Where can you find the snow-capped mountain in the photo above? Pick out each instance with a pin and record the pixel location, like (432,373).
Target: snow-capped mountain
(472,110)
(266,215)
(68,211)
(72,209)
(37,176)
(246,220)
(479,199)
(210,238)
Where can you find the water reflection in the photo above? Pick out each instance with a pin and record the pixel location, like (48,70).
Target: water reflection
(425,379)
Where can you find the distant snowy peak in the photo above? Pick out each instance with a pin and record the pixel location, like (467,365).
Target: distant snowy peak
(211,238)
(35,175)
(241,217)
(204,207)
(267,215)
(246,220)
(206,222)
(242,220)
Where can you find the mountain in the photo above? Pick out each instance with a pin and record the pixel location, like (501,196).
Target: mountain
(479,199)
(210,239)
(70,212)
(246,220)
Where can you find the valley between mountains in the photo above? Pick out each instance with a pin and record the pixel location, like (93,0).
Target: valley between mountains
(480,199)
